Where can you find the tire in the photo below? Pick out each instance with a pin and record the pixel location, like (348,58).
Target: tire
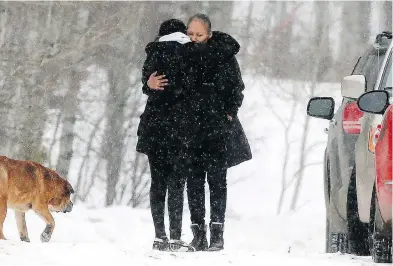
(380,242)
(327,236)
(358,233)
(334,242)
(327,203)
(331,243)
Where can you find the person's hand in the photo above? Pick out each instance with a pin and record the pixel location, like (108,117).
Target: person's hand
(157,82)
(229,117)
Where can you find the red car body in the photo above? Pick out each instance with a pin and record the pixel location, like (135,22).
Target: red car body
(383,161)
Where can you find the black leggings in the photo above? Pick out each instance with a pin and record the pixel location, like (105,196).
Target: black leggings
(163,178)
(196,196)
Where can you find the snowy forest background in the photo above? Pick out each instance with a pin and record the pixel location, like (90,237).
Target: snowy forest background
(70,89)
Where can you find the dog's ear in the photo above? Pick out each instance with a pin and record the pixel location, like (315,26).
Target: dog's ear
(54,201)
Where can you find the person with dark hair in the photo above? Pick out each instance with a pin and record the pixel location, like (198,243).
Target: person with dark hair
(218,141)
(171,26)
(164,56)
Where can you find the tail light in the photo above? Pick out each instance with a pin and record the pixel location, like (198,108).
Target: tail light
(373,137)
(383,152)
(352,118)
(387,133)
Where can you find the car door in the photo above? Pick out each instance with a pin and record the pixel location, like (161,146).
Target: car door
(341,145)
(365,157)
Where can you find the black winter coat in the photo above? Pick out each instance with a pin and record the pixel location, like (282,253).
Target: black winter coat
(155,130)
(216,143)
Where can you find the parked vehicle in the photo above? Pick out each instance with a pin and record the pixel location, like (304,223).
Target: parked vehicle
(380,212)
(345,231)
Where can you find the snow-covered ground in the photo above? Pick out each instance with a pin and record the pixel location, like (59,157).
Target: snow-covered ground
(122,236)
(254,233)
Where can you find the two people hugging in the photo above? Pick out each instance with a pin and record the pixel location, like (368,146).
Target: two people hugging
(190,130)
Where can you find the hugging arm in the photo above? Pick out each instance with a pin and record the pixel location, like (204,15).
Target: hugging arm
(149,67)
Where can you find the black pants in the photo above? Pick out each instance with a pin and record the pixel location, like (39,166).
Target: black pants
(196,195)
(164,178)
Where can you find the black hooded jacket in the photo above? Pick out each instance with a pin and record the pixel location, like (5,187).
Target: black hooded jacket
(215,141)
(155,130)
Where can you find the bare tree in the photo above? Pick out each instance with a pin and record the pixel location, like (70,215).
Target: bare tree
(68,119)
(70,106)
(319,44)
(287,125)
(118,73)
(354,36)
(32,115)
(387,8)
(246,36)
(220,13)
(79,192)
(113,146)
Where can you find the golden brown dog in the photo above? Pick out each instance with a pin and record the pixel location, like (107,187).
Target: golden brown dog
(26,185)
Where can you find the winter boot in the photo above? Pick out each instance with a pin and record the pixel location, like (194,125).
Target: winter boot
(176,245)
(216,237)
(199,242)
(161,244)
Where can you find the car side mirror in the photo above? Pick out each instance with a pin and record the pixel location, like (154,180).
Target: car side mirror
(353,86)
(321,107)
(375,102)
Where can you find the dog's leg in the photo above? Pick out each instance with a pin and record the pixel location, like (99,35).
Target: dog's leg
(3,214)
(44,213)
(21,224)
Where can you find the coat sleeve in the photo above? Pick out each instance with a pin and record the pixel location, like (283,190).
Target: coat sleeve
(149,67)
(233,86)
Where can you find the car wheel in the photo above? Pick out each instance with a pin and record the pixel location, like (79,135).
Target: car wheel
(357,231)
(334,242)
(327,236)
(381,245)
(327,204)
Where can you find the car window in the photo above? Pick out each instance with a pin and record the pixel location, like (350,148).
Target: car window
(371,72)
(358,70)
(359,65)
(372,68)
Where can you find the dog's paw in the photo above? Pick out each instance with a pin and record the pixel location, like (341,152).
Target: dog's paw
(25,239)
(45,237)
